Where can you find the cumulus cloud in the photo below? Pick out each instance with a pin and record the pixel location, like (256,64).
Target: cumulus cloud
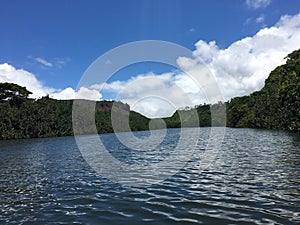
(9,73)
(44,62)
(67,93)
(87,93)
(157,95)
(82,93)
(243,67)
(239,69)
(256,4)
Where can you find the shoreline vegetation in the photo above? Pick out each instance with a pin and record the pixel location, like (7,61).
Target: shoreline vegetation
(276,107)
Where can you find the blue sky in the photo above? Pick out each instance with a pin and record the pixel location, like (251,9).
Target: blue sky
(57,40)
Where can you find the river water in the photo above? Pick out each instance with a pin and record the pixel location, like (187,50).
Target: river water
(254,179)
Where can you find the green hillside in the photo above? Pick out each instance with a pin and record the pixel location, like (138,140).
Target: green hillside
(275,106)
(22,117)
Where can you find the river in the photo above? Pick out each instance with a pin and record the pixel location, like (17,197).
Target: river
(253,179)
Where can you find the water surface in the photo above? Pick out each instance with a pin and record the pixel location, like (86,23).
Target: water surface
(255,179)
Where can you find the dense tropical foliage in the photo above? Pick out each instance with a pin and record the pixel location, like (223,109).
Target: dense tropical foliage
(22,117)
(275,106)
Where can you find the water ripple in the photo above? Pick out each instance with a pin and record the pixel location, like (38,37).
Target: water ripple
(255,179)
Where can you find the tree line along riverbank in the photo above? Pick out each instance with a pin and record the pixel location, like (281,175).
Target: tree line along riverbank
(275,106)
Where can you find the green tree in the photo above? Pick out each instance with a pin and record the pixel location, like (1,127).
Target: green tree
(13,93)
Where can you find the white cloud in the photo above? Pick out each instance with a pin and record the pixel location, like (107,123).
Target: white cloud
(87,93)
(256,4)
(260,19)
(239,70)
(149,92)
(67,93)
(243,67)
(44,62)
(83,93)
(10,74)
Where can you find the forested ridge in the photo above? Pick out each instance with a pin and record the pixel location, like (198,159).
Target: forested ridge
(275,106)
(22,117)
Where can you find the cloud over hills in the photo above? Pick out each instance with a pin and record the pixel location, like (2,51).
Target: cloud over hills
(242,67)
(239,69)
(9,73)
